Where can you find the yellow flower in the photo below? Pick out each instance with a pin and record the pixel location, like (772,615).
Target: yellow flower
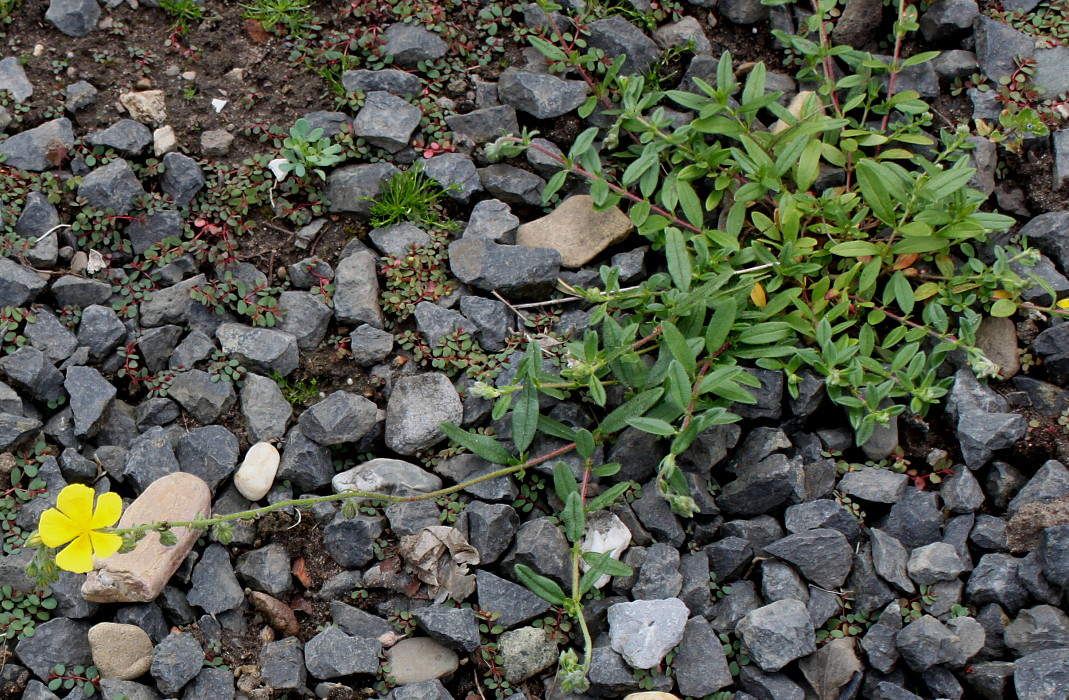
(73,518)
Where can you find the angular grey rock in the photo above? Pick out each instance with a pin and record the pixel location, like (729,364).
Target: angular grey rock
(29,369)
(821,513)
(90,397)
(176,661)
(349,541)
(341,417)
(398,82)
(1050,483)
(210,453)
(356,622)
(879,641)
(491,319)
(307,464)
(511,184)
(128,137)
(58,641)
(18,285)
(259,349)
(491,218)
(729,557)
(80,95)
(925,642)
(760,486)
(874,485)
(948,18)
(210,684)
(156,345)
(203,398)
(1043,675)
(465,467)
(282,664)
(989,532)
(483,125)
(980,434)
(348,186)
(659,575)
(73,17)
(305,317)
(779,581)
(515,603)
(933,563)
(356,290)
(961,493)
(490,527)
(456,173)
(409,44)
(777,634)
(28,150)
(332,654)
(215,587)
(13,79)
(995,580)
(916,520)
(37,224)
(701,666)
(370,345)
(182,178)
(618,37)
(266,411)
(541,546)
(76,291)
(386,121)
(541,95)
(100,330)
(113,186)
(1054,554)
(397,239)
(657,516)
(1036,629)
(989,679)
(512,270)
(455,628)
(998,45)
(823,556)
(435,323)
(330,122)
(645,630)
(310,272)
(417,406)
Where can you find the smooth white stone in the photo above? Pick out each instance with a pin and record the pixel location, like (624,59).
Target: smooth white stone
(257,473)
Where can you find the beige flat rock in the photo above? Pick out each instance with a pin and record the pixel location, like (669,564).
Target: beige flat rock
(419,659)
(577,231)
(139,576)
(120,651)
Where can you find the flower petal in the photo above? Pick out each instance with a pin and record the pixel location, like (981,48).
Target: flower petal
(105,544)
(56,528)
(76,502)
(108,510)
(77,556)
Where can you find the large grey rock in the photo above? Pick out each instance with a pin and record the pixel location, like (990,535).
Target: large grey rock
(113,186)
(483,125)
(541,95)
(13,79)
(29,149)
(356,290)
(341,417)
(925,642)
(998,45)
(37,226)
(409,44)
(398,82)
(126,136)
(176,661)
(305,463)
(204,398)
(511,270)
(511,184)
(981,434)
(351,188)
(215,587)
(282,664)
(618,37)
(90,397)
(58,641)
(645,630)
(935,562)
(73,17)
(777,634)
(332,654)
(386,121)
(29,369)
(18,285)
(541,546)
(456,173)
(514,602)
(760,486)
(455,628)
(266,411)
(210,453)
(948,18)
(701,666)
(389,476)
(259,349)
(1036,629)
(1043,675)
(995,580)
(182,178)
(417,406)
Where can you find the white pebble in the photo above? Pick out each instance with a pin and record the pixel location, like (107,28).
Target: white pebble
(257,473)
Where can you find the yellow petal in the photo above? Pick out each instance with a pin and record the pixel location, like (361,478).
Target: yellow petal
(1063,303)
(76,502)
(108,510)
(105,544)
(77,556)
(56,528)
(757,295)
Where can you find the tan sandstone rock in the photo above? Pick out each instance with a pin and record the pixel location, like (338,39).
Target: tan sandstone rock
(140,575)
(120,651)
(146,107)
(419,659)
(576,230)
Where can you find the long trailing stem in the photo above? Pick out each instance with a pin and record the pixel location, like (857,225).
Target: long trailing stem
(311,501)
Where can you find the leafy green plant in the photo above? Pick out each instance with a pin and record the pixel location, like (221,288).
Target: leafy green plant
(420,274)
(306,151)
(20,612)
(184,13)
(84,678)
(737,657)
(297,392)
(259,303)
(293,16)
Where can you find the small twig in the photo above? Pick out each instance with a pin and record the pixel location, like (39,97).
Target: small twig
(515,310)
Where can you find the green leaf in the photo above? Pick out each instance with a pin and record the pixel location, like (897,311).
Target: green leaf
(584,443)
(574,518)
(1003,308)
(608,497)
(677,345)
(691,204)
(605,564)
(583,142)
(597,390)
(872,178)
(716,333)
(543,587)
(564,482)
(903,292)
(555,428)
(679,264)
(653,426)
(525,417)
(855,249)
(484,446)
(636,406)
